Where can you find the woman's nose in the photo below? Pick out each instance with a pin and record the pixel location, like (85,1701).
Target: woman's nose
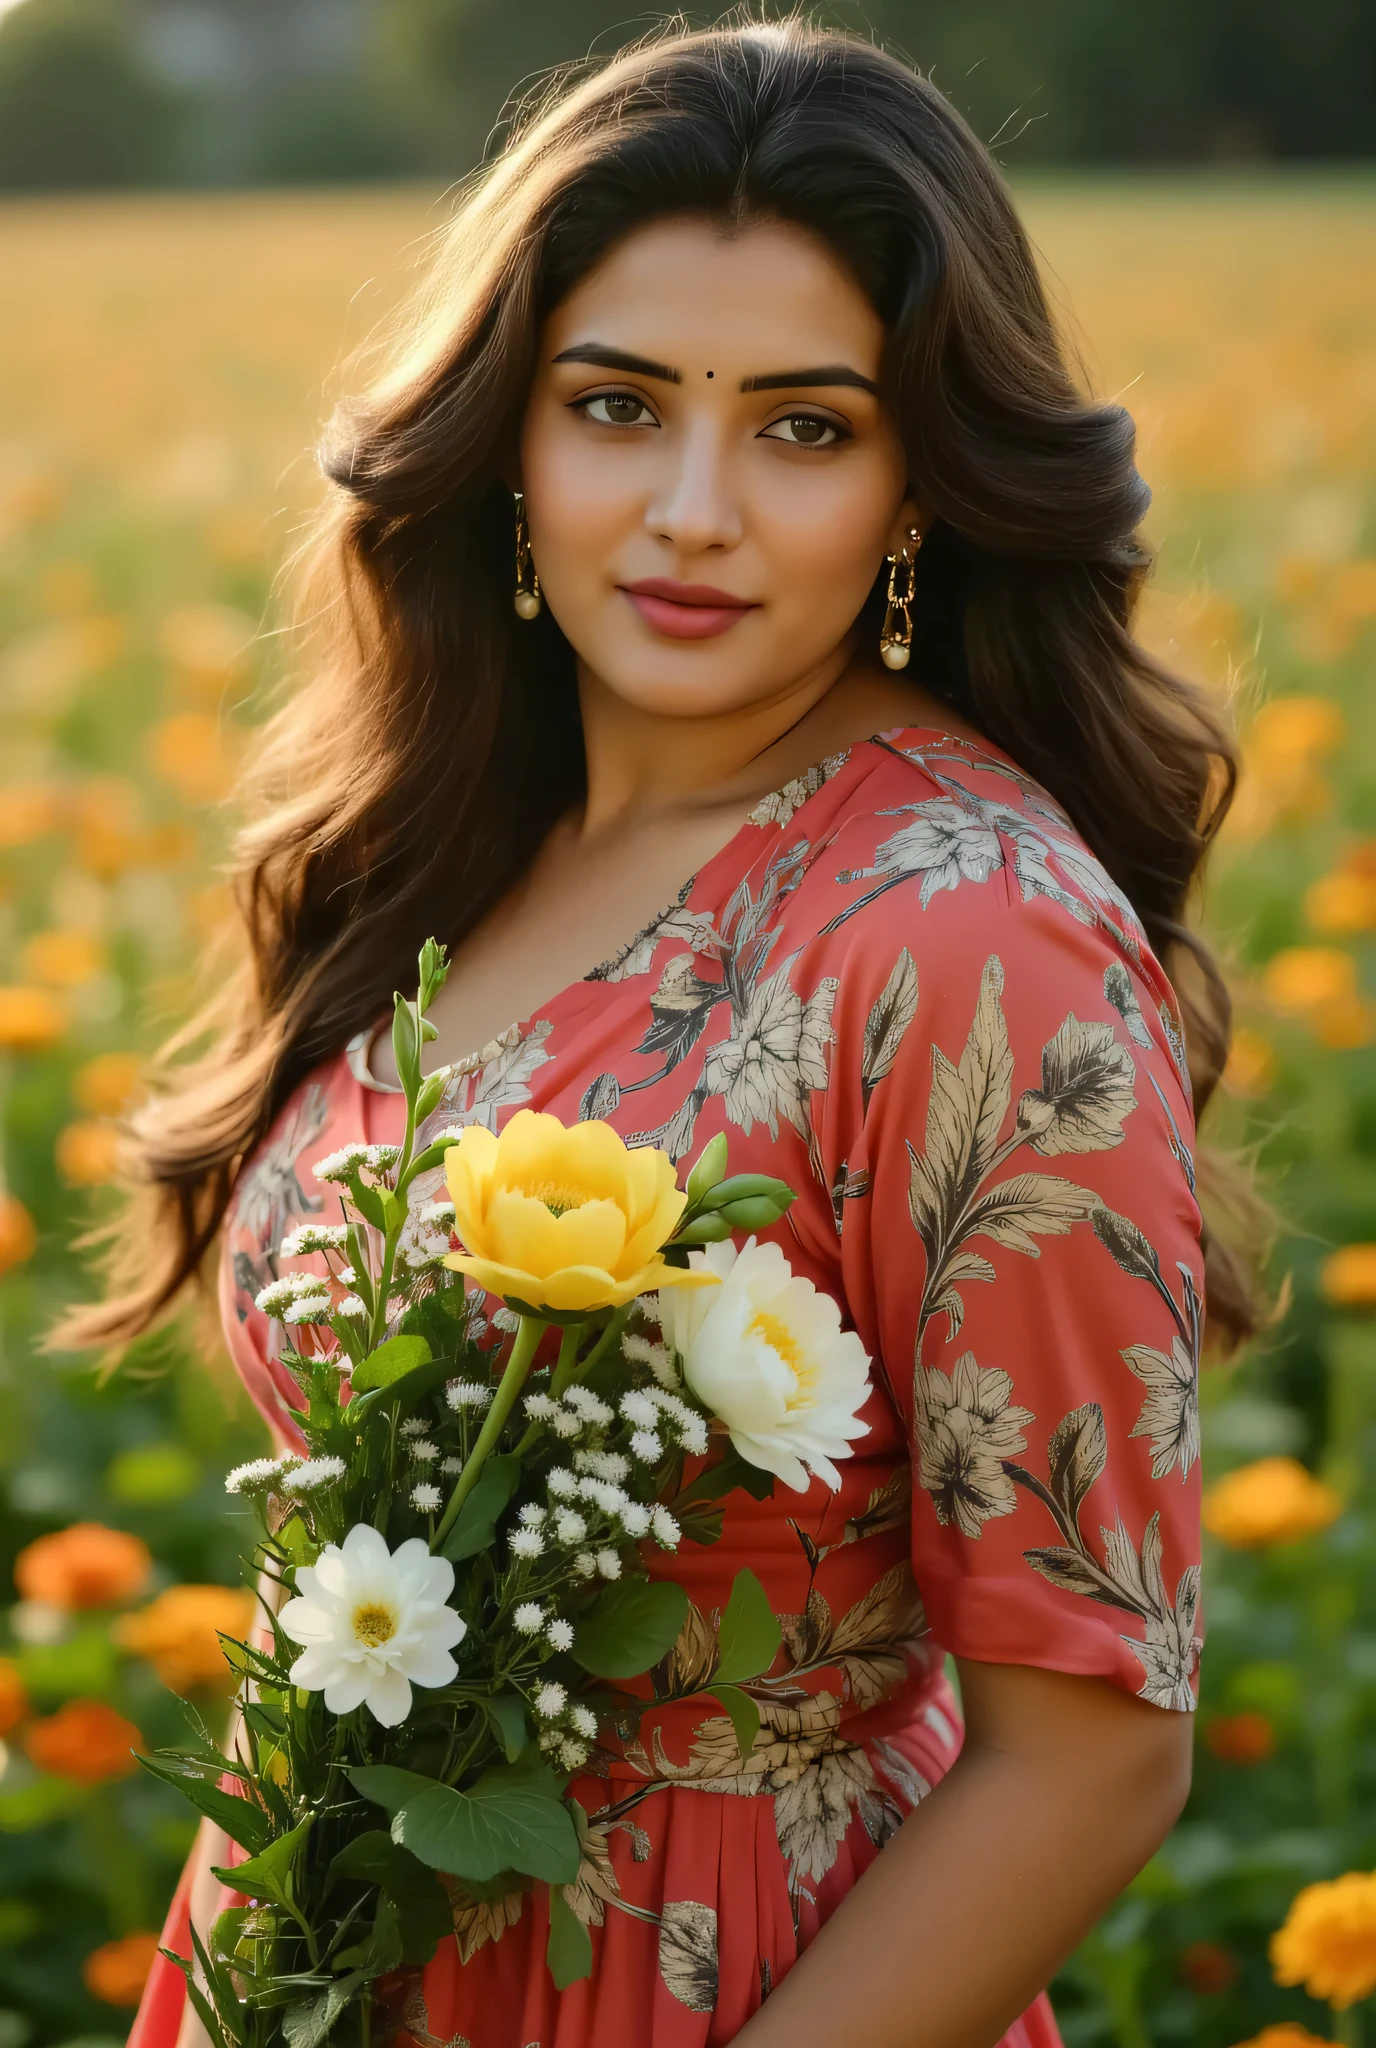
(696,506)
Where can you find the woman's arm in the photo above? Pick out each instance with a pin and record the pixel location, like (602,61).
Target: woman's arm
(1064,1789)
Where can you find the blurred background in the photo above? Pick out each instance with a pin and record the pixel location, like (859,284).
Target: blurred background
(203,205)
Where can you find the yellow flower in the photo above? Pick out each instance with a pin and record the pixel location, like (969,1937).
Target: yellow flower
(87,1153)
(1304,978)
(1288,727)
(1348,1276)
(1273,1501)
(568,1219)
(18,1238)
(1341,902)
(30,1019)
(1289,2034)
(63,959)
(1328,1942)
(192,751)
(106,1084)
(1251,1064)
(177,1633)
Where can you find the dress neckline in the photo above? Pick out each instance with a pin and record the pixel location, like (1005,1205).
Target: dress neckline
(358,1051)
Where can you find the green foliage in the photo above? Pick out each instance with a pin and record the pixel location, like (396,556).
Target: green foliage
(630,1626)
(78,105)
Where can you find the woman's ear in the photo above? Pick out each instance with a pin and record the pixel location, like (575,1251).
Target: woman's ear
(911,517)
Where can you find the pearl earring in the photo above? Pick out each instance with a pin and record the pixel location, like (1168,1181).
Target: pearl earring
(895,642)
(527,597)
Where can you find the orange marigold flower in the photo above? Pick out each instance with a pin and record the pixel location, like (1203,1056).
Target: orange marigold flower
(177,1634)
(1209,1969)
(1241,1738)
(192,752)
(1344,901)
(105,1084)
(1272,1501)
(30,1019)
(1295,727)
(1328,1941)
(87,1153)
(28,811)
(1289,2034)
(17,1234)
(86,1741)
(86,1565)
(117,1971)
(63,959)
(1348,1276)
(1251,1064)
(14,1701)
(1303,978)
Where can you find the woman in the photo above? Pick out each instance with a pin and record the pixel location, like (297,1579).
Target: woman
(736,372)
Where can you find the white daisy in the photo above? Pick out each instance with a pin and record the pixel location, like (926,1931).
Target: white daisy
(373,1623)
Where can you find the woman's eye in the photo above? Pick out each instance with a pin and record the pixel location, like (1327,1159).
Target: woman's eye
(618,409)
(803,430)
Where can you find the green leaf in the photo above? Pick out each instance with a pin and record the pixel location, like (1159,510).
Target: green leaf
(392,1359)
(569,1950)
(630,1626)
(744,1714)
(241,1820)
(426,1914)
(475,1527)
(381,1948)
(368,1202)
(722,1477)
(507,1713)
(512,1819)
(750,1633)
(268,1875)
(308,2023)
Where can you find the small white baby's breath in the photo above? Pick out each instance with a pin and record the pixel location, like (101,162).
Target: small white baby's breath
(657,1357)
(526,1543)
(562,1483)
(663,1527)
(451,1465)
(569,1527)
(347,1276)
(314,1472)
(563,1424)
(382,1157)
(424,1451)
(273,1298)
(538,1407)
(584,1566)
(602,1464)
(426,1497)
(248,1478)
(692,1435)
(352,1305)
(437,1212)
(314,1237)
(307,1308)
(647,1446)
(634,1519)
(506,1320)
(550,1740)
(584,1402)
(639,1409)
(584,1721)
(609,1564)
(414,1425)
(467,1394)
(532,1514)
(573,1755)
(529,1618)
(550,1701)
(339,1165)
(560,1633)
(608,1496)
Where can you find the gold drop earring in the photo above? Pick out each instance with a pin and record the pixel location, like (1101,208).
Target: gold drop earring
(527,597)
(896,640)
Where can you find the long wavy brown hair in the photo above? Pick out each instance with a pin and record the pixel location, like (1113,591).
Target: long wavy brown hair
(407,783)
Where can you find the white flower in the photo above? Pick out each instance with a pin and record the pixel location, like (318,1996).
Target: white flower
(532,1514)
(352,1305)
(413,1425)
(426,1497)
(564,1424)
(562,1483)
(639,1408)
(424,1451)
(664,1528)
(529,1618)
(467,1394)
(374,1622)
(314,1237)
(451,1465)
(256,1473)
(766,1352)
(646,1445)
(312,1473)
(693,1436)
(440,1211)
(657,1357)
(347,1276)
(569,1527)
(634,1519)
(339,1165)
(538,1407)
(608,1465)
(572,1755)
(550,1701)
(560,1633)
(380,1157)
(526,1542)
(273,1298)
(611,1499)
(506,1320)
(307,1308)
(609,1564)
(584,1721)
(585,1403)
(584,1565)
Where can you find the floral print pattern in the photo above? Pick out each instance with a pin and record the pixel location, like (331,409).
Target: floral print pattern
(908,987)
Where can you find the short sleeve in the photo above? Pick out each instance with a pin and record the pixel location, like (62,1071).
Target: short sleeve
(1008,1145)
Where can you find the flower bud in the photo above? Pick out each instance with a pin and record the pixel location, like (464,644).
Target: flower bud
(745,1186)
(754,1212)
(706,1229)
(710,1166)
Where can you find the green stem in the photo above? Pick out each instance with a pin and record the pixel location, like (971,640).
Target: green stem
(611,1335)
(1347,2027)
(513,1379)
(567,1359)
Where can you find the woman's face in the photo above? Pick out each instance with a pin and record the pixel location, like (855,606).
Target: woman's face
(711,480)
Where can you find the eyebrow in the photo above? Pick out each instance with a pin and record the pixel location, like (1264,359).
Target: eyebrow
(606,358)
(829,373)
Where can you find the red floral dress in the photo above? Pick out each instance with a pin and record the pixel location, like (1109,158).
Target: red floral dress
(906,987)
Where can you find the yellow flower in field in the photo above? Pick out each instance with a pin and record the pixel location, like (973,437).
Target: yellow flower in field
(1348,1277)
(1272,1501)
(177,1633)
(105,1084)
(1251,1064)
(207,644)
(1289,2034)
(1328,1942)
(17,1234)
(563,1218)
(63,959)
(28,811)
(1354,589)
(1303,978)
(117,1971)
(1342,902)
(110,834)
(87,1153)
(30,1019)
(189,751)
(1292,729)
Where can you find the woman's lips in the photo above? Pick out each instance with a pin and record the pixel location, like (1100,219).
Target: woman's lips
(686,611)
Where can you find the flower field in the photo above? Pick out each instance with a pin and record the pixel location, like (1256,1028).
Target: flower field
(163,368)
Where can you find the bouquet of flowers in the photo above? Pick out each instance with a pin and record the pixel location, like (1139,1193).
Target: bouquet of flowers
(462,1548)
